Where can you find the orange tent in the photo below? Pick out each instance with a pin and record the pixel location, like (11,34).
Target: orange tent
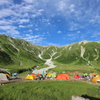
(39,74)
(93,74)
(63,77)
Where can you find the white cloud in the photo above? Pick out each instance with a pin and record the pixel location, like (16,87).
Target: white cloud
(10,30)
(25,15)
(74,36)
(72,7)
(45,20)
(6,13)
(2,2)
(37,40)
(28,35)
(30,25)
(22,26)
(59,32)
(5,22)
(31,36)
(34,39)
(7,27)
(92,20)
(30,30)
(40,10)
(36,29)
(37,13)
(96,35)
(78,32)
(13,32)
(23,21)
(73,26)
(61,6)
(29,1)
(48,23)
(27,8)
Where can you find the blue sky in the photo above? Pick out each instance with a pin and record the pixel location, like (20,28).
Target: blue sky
(51,22)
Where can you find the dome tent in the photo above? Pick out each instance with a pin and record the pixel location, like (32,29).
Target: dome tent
(62,77)
(3,77)
(77,76)
(32,77)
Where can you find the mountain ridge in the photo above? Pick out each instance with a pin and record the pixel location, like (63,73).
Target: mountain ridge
(20,53)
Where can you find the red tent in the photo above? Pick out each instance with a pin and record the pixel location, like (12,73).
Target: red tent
(77,76)
(62,77)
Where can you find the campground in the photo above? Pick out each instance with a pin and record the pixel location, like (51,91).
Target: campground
(51,65)
(49,88)
(22,79)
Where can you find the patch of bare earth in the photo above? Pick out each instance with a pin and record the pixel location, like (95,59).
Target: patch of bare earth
(75,72)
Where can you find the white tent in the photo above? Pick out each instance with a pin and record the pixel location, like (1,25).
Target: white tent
(3,77)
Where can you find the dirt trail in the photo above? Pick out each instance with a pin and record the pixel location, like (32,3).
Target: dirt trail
(84,80)
(24,80)
(49,63)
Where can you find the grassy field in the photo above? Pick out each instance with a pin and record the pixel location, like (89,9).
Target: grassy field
(65,68)
(47,90)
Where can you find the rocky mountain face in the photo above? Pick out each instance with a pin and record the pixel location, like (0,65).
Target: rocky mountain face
(20,53)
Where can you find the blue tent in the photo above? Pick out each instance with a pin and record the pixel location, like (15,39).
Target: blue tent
(15,74)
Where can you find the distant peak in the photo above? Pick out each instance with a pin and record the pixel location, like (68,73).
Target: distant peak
(84,42)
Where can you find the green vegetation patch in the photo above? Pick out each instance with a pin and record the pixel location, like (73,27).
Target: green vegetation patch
(47,90)
(66,68)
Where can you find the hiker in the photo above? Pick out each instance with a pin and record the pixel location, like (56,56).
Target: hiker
(43,74)
(90,77)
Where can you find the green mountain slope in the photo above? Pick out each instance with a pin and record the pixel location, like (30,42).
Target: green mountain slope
(20,53)
(81,54)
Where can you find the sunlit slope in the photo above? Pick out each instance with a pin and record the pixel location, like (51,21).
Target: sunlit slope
(20,53)
(82,53)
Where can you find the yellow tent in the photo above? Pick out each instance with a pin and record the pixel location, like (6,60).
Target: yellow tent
(8,75)
(48,75)
(32,76)
(95,79)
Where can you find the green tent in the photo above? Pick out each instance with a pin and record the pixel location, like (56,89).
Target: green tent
(85,74)
(53,75)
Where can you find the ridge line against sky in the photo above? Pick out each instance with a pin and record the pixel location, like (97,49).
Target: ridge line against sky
(51,22)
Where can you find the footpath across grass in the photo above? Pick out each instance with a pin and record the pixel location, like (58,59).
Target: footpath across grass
(47,90)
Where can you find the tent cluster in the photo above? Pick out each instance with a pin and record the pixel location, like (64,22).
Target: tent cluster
(48,76)
(92,77)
